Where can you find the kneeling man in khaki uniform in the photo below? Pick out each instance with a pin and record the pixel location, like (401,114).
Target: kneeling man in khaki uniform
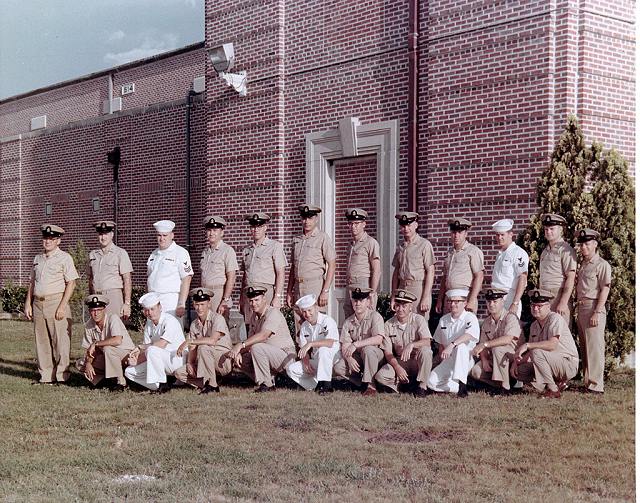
(209,342)
(269,349)
(107,344)
(406,346)
(360,339)
(550,358)
(500,333)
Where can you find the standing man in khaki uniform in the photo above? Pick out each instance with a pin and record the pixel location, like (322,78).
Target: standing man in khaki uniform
(218,266)
(550,358)
(406,346)
(363,259)
(558,264)
(269,349)
(313,261)
(463,266)
(500,333)
(263,264)
(107,344)
(413,263)
(209,341)
(592,289)
(53,279)
(109,271)
(361,337)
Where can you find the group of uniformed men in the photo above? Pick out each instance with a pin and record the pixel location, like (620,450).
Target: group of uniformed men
(367,351)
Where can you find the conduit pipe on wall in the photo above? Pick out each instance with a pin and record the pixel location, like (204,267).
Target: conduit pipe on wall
(413,105)
(188,182)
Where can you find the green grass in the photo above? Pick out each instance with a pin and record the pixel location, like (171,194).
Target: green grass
(70,443)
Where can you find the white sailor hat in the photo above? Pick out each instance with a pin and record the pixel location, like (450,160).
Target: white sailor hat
(164,226)
(306,302)
(457,292)
(149,300)
(504,225)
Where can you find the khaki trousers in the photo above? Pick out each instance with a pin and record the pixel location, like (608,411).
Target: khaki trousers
(554,304)
(306,287)
(247,307)
(546,368)
(368,357)
(415,287)
(592,346)
(418,367)
(52,339)
(108,363)
(501,358)
(211,362)
(116,300)
(263,361)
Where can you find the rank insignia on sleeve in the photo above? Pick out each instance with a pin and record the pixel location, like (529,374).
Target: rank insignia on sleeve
(520,262)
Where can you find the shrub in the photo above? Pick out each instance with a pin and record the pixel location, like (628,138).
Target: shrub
(12,298)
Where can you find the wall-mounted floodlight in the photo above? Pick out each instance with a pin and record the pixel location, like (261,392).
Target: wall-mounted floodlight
(222,58)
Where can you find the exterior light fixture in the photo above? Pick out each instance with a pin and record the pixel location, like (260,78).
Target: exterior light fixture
(222,58)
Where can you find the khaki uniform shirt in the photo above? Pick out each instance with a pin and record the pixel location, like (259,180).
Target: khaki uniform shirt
(260,262)
(52,273)
(216,263)
(311,254)
(461,265)
(592,277)
(361,253)
(555,263)
(555,326)
(113,327)
(372,324)
(214,323)
(413,259)
(273,321)
(107,268)
(397,336)
(507,324)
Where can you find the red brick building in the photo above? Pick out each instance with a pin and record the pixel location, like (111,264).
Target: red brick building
(449,107)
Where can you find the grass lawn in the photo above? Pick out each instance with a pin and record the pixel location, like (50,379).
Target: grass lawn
(70,443)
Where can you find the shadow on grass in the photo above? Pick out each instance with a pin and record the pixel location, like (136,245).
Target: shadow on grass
(25,369)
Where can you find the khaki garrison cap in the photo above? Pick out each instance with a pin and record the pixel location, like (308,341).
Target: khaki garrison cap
(51,231)
(539,296)
(494,293)
(356,214)
(584,235)
(549,219)
(406,217)
(404,296)
(214,222)
(95,300)
(104,226)
(360,293)
(459,224)
(200,294)
(257,219)
(252,291)
(308,210)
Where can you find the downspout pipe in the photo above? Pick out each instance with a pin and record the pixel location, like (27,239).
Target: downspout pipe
(188,183)
(413,105)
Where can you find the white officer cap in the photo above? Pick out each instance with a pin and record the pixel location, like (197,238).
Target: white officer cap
(149,300)
(306,302)
(462,293)
(164,226)
(503,225)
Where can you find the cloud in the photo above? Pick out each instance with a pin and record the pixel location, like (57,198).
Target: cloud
(115,36)
(149,46)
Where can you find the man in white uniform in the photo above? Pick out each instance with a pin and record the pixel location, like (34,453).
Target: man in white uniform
(319,348)
(169,271)
(510,268)
(457,334)
(157,356)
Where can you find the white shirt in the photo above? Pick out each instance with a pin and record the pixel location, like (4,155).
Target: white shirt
(168,329)
(167,268)
(510,263)
(325,328)
(449,329)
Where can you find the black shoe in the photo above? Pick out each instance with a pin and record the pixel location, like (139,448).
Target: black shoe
(421,393)
(118,387)
(208,389)
(324,387)
(462,390)
(263,388)
(164,387)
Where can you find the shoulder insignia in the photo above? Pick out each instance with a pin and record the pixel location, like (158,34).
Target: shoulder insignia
(520,262)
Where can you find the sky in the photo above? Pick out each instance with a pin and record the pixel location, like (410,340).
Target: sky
(43,42)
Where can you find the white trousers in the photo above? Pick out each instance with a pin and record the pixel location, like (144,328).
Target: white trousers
(169,302)
(154,371)
(322,360)
(446,376)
